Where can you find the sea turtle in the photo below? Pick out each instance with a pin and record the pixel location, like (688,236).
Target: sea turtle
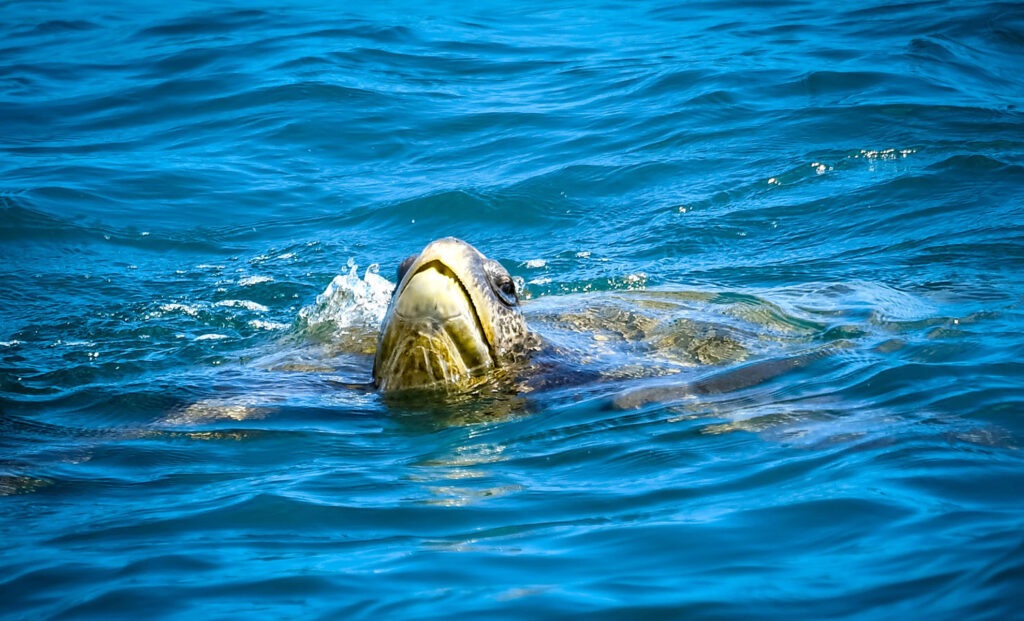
(452,338)
(454,325)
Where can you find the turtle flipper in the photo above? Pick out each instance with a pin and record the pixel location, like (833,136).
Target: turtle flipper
(723,381)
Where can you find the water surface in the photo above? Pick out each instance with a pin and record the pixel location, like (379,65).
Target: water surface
(180,427)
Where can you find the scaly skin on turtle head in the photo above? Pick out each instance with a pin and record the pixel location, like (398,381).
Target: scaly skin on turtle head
(453,320)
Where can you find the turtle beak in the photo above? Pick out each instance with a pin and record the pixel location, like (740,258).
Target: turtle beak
(432,334)
(447,323)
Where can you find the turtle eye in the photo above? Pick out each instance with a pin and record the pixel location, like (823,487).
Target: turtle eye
(404,266)
(501,283)
(506,290)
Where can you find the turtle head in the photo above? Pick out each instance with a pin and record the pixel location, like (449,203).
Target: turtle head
(454,317)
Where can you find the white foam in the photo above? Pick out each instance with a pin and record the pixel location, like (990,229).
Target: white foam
(76,343)
(191,311)
(260,324)
(246,304)
(249,281)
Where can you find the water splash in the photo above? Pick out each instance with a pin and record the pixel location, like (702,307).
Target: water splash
(350,306)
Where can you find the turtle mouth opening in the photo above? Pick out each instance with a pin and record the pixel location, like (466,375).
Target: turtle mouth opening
(435,335)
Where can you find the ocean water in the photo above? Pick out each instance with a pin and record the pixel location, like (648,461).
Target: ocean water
(194,202)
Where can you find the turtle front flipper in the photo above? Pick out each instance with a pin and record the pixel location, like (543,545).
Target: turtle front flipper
(674,389)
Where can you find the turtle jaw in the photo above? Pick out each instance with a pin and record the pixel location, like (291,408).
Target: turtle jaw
(433,335)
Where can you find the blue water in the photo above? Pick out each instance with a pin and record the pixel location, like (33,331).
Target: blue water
(180,181)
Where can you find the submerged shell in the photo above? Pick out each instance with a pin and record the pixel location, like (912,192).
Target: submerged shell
(619,335)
